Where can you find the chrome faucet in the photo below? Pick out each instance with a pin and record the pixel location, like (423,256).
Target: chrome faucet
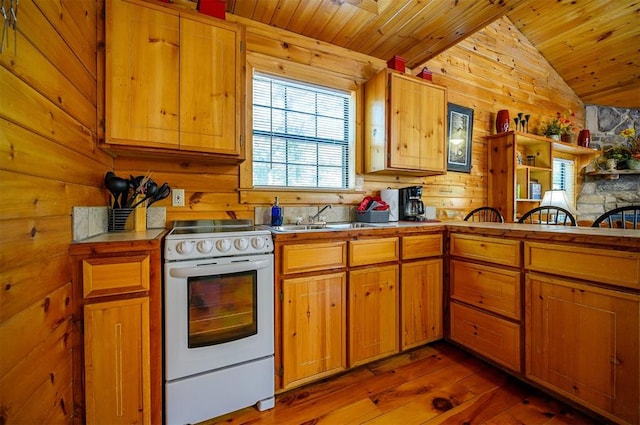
(313,218)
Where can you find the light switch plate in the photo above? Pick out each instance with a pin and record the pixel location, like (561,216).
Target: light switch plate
(177,199)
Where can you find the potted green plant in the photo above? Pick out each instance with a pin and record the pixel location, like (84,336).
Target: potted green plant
(616,156)
(558,127)
(552,129)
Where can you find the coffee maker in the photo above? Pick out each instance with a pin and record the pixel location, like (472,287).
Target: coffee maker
(411,205)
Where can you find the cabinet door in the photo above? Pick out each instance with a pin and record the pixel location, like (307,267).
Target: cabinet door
(583,341)
(117,362)
(421,302)
(417,124)
(142,68)
(211,78)
(373,313)
(313,327)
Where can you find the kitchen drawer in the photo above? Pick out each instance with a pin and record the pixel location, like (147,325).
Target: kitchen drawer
(373,251)
(115,275)
(494,338)
(313,256)
(489,288)
(598,265)
(494,250)
(421,246)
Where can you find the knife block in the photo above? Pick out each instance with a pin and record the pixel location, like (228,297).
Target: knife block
(140,215)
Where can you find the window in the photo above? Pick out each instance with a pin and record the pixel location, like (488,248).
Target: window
(563,176)
(302,135)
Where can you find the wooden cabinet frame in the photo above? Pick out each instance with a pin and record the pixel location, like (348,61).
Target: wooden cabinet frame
(124,298)
(175,83)
(405,125)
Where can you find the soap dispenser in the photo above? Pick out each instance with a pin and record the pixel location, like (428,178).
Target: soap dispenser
(276,214)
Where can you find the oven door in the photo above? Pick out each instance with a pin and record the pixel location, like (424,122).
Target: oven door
(218,313)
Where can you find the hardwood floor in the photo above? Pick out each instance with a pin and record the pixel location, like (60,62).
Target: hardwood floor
(435,384)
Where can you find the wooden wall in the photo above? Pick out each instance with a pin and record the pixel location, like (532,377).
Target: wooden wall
(494,69)
(50,107)
(48,164)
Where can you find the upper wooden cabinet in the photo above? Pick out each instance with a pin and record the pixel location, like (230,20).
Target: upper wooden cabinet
(174,81)
(405,124)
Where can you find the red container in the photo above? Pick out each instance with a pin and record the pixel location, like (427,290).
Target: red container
(502,121)
(584,138)
(426,74)
(396,63)
(215,8)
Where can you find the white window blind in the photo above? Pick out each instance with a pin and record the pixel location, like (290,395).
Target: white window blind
(564,177)
(302,134)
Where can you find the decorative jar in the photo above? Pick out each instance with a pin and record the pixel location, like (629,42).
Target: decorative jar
(584,138)
(502,121)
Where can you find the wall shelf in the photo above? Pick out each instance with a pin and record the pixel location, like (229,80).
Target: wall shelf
(558,146)
(613,174)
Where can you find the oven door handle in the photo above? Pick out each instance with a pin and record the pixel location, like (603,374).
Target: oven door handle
(211,269)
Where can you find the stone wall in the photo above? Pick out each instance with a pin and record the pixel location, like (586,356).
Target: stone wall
(599,194)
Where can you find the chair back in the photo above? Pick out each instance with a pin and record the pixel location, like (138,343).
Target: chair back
(629,215)
(485,214)
(548,214)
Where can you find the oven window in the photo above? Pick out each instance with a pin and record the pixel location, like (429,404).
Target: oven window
(222,308)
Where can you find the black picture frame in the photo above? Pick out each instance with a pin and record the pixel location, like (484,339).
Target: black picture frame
(459,136)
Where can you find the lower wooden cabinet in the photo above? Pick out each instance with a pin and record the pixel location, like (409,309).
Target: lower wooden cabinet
(340,301)
(487,287)
(421,302)
(313,327)
(488,335)
(373,313)
(485,282)
(117,362)
(117,358)
(583,342)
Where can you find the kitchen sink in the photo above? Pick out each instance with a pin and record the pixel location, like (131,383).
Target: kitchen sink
(286,228)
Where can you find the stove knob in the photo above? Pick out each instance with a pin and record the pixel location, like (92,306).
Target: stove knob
(204,246)
(223,245)
(257,243)
(185,247)
(241,244)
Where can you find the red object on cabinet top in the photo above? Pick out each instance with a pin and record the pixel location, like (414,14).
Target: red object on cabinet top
(426,74)
(396,63)
(215,8)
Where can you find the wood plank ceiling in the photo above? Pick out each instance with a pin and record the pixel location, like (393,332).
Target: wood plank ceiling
(593,44)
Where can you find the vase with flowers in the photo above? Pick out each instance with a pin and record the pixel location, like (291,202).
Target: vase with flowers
(558,127)
(632,142)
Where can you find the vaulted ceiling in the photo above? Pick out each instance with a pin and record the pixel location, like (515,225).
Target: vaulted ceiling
(594,45)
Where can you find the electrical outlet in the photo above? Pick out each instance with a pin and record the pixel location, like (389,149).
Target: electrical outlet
(177,199)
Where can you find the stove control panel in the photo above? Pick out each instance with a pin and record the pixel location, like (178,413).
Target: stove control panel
(188,247)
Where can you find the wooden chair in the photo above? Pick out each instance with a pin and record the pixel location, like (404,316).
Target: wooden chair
(548,215)
(629,215)
(485,214)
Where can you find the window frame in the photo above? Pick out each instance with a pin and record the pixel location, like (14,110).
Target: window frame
(572,182)
(348,171)
(250,195)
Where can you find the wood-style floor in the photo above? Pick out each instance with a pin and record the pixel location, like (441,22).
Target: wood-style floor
(435,384)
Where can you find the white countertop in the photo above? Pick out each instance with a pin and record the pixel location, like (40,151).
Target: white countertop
(123,236)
